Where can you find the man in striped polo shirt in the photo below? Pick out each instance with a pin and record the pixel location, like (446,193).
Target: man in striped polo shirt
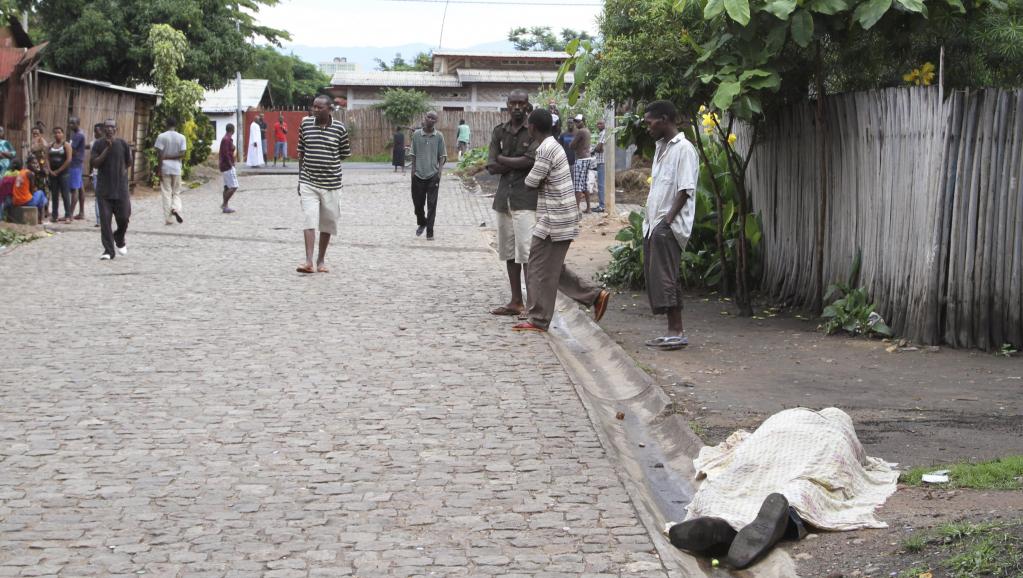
(557,224)
(322,144)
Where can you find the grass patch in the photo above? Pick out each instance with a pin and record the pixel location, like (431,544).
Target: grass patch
(1001,474)
(914,543)
(9,238)
(698,429)
(968,550)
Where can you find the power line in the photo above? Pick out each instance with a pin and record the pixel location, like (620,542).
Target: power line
(501,3)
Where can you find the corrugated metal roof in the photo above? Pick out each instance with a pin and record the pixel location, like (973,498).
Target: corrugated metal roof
(390,78)
(226,99)
(510,76)
(517,55)
(101,83)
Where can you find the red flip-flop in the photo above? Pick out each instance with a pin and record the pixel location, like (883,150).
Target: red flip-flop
(527,326)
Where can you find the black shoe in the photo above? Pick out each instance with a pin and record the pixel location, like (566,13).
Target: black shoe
(420,229)
(429,235)
(703,536)
(757,539)
(177,216)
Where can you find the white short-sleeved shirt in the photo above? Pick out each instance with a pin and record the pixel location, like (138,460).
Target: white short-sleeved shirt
(676,168)
(171,143)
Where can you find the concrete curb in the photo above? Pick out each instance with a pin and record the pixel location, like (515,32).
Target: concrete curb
(652,446)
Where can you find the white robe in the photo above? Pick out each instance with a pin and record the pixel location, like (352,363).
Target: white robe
(255,154)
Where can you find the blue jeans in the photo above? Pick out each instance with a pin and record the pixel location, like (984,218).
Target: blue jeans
(600,185)
(38,200)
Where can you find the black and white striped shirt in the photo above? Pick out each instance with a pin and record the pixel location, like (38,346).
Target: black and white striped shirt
(321,150)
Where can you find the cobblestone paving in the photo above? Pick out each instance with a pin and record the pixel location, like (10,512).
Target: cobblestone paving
(197,408)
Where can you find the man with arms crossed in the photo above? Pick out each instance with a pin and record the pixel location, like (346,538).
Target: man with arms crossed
(557,224)
(322,144)
(511,156)
(428,157)
(668,218)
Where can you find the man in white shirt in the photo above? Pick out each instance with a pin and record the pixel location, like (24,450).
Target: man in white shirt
(668,221)
(170,148)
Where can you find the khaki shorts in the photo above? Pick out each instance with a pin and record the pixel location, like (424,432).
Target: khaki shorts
(514,235)
(320,208)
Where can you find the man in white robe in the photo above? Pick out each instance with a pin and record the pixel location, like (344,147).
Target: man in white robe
(255,155)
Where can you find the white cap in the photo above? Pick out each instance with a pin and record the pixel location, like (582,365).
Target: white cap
(578,117)
(554,117)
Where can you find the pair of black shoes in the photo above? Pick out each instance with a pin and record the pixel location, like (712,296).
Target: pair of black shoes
(419,232)
(715,537)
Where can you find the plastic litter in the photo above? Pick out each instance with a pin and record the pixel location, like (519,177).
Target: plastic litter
(936,477)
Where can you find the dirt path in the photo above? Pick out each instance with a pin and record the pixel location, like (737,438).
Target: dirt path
(916,406)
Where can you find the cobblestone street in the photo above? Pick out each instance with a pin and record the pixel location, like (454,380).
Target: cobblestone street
(198,408)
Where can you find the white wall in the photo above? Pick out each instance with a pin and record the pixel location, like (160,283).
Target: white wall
(221,119)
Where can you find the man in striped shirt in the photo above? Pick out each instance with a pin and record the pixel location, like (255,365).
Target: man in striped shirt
(322,144)
(557,224)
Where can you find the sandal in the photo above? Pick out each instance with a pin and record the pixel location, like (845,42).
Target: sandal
(527,326)
(305,269)
(673,343)
(506,311)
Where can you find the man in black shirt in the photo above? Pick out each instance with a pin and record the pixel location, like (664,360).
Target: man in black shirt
(112,157)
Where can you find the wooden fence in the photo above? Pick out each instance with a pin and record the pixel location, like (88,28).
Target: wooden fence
(930,191)
(372,134)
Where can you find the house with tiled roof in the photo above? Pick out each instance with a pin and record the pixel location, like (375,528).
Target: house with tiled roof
(460,80)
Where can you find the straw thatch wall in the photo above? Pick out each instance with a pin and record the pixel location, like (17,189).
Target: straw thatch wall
(372,132)
(930,191)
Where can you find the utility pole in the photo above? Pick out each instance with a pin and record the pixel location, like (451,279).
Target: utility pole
(610,147)
(239,130)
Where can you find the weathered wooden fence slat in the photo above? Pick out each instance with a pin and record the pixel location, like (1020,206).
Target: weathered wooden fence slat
(928,191)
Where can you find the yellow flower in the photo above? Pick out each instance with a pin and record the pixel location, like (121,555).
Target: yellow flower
(703,109)
(709,130)
(732,138)
(650,180)
(910,77)
(923,76)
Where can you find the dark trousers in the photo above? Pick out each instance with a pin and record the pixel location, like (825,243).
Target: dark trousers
(546,273)
(119,210)
(60,190)
(661,257)
(424,193)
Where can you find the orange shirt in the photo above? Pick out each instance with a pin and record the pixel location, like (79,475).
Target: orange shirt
(23,188)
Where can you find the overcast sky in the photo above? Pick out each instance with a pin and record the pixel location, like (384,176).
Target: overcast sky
(389,23)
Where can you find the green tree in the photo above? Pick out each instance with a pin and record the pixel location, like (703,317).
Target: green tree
(179,97)
(401,106)
(293,82)
(423,62)
(748,58)
(543,38)
(107,39)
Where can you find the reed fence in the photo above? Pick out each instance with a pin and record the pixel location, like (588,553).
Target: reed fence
(372,133)
(928,190)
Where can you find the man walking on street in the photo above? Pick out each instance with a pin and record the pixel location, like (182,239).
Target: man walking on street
(281,141)
(580,171)
(170,147)
(464,136)
(668,218)
(511,155)
(428,157)
(557,224)
(76,138)
(227,167)
(322,144)
(112,157)
(598,161)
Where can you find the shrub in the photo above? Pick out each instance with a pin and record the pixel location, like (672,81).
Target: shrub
(852,310)
(626,267)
